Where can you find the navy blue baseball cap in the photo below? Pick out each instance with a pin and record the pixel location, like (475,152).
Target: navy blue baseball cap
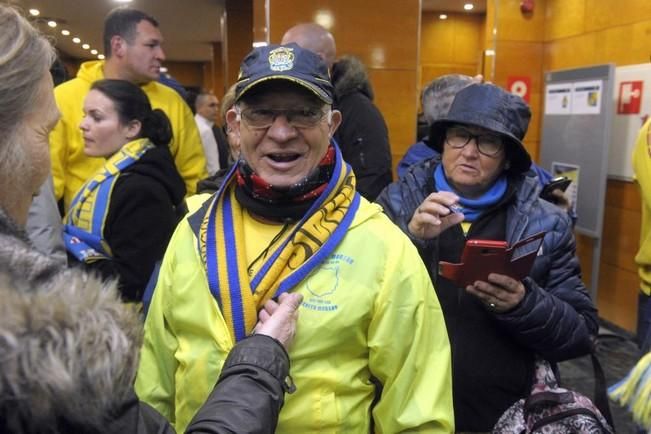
(490,107)
(285,62)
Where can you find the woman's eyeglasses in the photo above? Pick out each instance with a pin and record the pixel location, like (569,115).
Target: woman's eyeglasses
(487,144)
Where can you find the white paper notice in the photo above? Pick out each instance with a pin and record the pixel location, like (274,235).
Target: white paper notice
(558,99)
(586,98)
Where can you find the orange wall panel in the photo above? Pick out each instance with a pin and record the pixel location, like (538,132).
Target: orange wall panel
(617,296)
(187,73)
(513,25)
(603,14)
(564,18)
(384,37)
(398,103)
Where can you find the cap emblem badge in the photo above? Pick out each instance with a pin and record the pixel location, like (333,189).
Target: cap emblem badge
(281,59)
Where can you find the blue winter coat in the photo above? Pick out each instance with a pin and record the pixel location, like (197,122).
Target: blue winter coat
(556,318)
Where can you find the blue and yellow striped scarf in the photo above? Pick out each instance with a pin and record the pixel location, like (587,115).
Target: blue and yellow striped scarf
(84,222)
(311,240)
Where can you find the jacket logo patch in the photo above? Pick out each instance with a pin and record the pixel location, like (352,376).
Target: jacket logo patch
(322,285)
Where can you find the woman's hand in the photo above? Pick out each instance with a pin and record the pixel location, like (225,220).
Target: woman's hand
(278,320)
(433,215)
(500,294)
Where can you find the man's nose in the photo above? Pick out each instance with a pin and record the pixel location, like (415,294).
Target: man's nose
(280,129)
(160,54)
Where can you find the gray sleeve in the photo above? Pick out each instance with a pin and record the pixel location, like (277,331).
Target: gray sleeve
(44,226)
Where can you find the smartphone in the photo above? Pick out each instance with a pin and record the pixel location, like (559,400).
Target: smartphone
(559,183)
(482,257)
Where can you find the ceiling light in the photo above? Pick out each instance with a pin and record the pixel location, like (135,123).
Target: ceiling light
(85,46)
(100,56)
(76,40)
(123,1)
(468,6)
(93,51)
(65,32)
(34,12)
(443,17)
(52,23)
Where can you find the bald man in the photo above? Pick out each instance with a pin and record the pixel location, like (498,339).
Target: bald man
(362,136)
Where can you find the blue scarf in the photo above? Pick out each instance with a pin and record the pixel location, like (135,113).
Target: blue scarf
(472,208)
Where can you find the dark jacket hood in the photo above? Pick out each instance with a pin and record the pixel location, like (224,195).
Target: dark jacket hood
(157,163)
(349,75)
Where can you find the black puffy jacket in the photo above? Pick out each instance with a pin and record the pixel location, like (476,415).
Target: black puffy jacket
(493,352)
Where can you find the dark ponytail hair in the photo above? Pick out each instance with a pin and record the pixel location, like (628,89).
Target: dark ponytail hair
(131,103)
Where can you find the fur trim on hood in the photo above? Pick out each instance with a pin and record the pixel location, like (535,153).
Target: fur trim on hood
(69,354)
(349,75)
(69,346)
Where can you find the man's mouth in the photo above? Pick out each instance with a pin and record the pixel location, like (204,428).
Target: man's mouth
(284,158)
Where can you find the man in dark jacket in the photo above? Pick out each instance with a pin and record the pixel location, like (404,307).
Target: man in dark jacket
(362,136)
(480,190)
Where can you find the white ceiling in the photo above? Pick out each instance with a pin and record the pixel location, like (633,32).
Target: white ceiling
(188,26)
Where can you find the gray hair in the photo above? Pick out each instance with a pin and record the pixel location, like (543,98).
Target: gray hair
(438,95)
(25,56)
(69,352)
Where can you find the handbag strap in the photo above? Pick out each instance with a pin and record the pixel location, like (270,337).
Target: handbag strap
(600,390)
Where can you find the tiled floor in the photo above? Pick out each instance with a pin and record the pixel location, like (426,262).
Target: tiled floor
(617,354)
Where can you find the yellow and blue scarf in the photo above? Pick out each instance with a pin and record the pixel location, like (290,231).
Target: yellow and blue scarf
(313,238)
(84,223)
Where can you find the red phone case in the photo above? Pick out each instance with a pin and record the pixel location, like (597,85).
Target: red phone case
(482,257)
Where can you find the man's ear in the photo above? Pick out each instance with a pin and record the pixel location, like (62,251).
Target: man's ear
(118,46)
(335,121)
(233,121)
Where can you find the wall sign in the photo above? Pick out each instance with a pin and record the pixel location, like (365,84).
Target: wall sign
(520,86)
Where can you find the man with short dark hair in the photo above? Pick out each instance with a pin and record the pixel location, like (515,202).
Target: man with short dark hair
(371,350)
(132,41)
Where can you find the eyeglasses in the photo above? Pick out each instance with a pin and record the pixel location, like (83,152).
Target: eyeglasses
(487,144)
(261,118)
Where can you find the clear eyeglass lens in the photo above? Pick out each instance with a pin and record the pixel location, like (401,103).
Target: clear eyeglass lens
(300,118)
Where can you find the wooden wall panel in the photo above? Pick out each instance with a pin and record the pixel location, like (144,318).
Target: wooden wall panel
(603,14)
(451,46)
(512,25)
(564,18)
(239,36)
(187,73)
(617,297)
(384,36)
(399,110)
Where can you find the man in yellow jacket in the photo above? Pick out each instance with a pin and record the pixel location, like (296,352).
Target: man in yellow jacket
(371,350)
(132,43)
(642,171)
